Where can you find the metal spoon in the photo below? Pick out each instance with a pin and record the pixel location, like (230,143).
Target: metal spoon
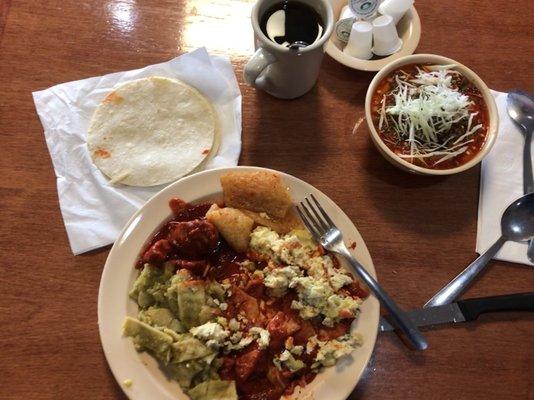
(520,107)
(517,224)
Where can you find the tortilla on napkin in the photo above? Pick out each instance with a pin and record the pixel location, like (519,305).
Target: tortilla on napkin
(151,131)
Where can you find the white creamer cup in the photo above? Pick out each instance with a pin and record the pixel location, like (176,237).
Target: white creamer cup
(344,24)
(395,8)
(346,12)
(364,9)
(386,40)
(342,29)
(360,41)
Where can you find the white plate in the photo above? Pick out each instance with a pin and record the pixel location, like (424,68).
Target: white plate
(149,382)
(409,28)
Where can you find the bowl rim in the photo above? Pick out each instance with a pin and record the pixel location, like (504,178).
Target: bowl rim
(408,47)
(471,75)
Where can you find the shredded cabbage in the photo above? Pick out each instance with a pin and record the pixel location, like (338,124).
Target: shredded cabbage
(424,110)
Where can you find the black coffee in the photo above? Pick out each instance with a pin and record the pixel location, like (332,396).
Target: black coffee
(292,23)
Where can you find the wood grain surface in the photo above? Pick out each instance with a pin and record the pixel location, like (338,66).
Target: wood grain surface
(419,230)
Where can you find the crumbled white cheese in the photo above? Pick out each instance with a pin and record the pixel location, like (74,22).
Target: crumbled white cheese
(236,336)
(316,297)
(337,307)
(289,344)
(297,350)
(330,351)
(284,356)
(213,333)
(262,239)
(305,311)
(263,336)
(223,306)
(278,279)
(239,339)
(233,325)
(312,291)
(244,342)
(286,359)
(291,250)
(322,267)
(339,280)
(311,274)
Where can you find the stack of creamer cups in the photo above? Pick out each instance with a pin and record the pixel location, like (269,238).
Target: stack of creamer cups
(369,27)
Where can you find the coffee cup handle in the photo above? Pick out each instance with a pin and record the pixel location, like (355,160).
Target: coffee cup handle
(255,66)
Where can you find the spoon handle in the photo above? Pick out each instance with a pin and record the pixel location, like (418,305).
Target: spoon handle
(528,180)
(530,251)
(454,288)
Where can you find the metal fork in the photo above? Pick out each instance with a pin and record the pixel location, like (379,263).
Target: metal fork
(329,236)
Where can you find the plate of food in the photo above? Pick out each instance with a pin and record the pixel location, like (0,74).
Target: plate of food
(214,290)
(431,115)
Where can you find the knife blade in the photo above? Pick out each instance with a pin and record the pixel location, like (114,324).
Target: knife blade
(465,310)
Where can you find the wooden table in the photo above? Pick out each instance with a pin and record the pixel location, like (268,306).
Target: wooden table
(420,231)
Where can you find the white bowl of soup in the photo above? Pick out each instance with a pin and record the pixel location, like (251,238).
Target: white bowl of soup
(431,115)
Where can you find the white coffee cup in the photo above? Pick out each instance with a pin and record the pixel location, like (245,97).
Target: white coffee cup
(280,71)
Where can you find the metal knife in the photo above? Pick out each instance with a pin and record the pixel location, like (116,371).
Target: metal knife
(465,310)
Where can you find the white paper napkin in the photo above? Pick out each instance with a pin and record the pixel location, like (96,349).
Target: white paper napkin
(501,182)
(93,210)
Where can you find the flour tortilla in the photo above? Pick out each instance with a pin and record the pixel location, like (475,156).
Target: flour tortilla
(151,131)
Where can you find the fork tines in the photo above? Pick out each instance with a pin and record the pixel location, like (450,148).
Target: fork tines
(314,216)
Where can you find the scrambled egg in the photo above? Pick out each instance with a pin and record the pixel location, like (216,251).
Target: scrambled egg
(311,274)
(279,279)
(331,350)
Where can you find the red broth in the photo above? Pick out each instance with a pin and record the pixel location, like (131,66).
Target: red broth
(459,82)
